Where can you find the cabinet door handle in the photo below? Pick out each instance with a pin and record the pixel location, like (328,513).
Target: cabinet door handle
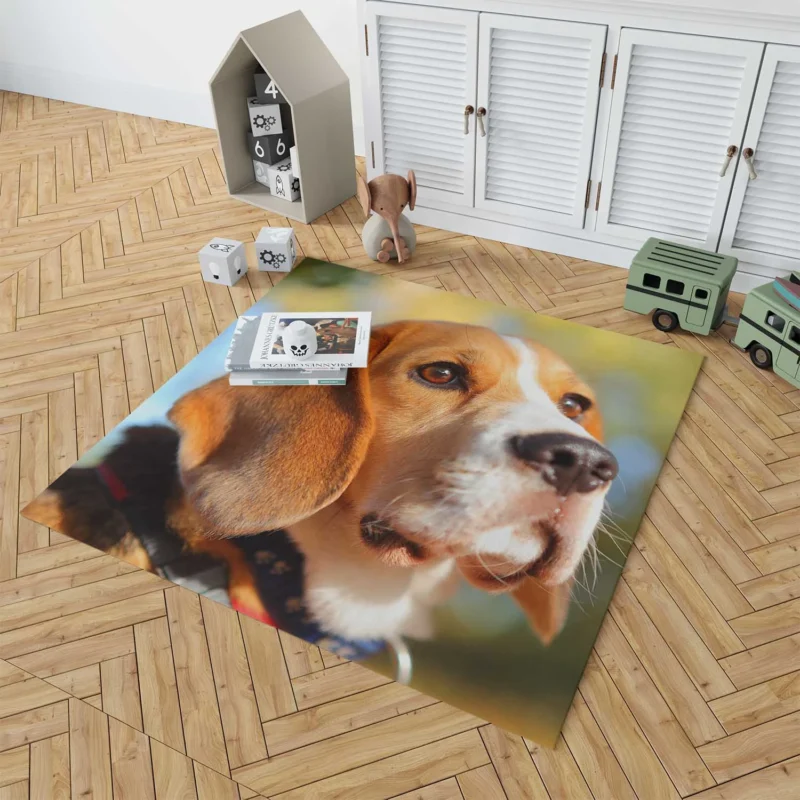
(747,155)
(732,151)
(468,110)
(481,113)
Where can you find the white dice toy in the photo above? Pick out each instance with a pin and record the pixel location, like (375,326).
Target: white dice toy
(260,170)
(268,118)
(223,261)
(282,183)
(276,249)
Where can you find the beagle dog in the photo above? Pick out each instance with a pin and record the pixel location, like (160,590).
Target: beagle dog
(458,453)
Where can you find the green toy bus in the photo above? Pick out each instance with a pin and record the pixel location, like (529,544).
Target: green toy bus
(686,287)
(769,329)
(682,286)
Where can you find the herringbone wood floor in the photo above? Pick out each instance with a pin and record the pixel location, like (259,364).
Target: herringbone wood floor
(115,684)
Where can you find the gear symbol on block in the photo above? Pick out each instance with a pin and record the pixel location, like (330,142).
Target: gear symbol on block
(295,184)
(271,121)
(271,259)
(260,121)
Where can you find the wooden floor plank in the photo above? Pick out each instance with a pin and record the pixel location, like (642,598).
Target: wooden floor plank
(120,687)
(237,699)
(90,755)
(160,705)
(49,768)
(173,773)
(131,766)
(202,724)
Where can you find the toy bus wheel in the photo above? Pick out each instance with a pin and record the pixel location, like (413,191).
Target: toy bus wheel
(664,320)
(760,356)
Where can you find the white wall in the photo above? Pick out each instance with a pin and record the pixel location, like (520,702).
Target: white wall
(151,57)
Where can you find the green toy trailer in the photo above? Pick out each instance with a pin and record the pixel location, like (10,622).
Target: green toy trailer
(680,285)
(769,329)
(688,287)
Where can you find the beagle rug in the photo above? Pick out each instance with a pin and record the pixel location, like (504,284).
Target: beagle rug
(456,516)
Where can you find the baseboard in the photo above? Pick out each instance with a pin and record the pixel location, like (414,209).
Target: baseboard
(191,108)
(573,247)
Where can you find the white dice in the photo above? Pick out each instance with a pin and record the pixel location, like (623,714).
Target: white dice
(276,249)
(260,171)
(222,261)
(282,183)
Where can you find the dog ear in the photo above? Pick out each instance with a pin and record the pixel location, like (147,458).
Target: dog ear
(546,607)
(253,458)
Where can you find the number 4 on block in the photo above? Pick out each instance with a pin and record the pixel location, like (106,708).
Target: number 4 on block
(267,90)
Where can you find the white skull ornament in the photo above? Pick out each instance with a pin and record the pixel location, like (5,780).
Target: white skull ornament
(299,339)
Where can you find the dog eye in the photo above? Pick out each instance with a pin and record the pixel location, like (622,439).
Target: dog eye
(442,373)
(574,406)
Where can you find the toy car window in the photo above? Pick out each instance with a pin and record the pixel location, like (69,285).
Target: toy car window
(794,335)
(651,281)
(774,321)
(675,287)
(701,294)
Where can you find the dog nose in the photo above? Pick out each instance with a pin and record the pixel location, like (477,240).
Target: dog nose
(568,463)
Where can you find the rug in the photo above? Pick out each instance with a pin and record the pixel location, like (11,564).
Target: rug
(507,645)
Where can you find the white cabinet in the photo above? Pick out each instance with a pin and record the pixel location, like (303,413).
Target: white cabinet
(679,103)
(423,80)
(762,225)
(509,130)
(538,87)
(588,134)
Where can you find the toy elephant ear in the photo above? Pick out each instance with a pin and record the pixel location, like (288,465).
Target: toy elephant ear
(364,196)
(412,189)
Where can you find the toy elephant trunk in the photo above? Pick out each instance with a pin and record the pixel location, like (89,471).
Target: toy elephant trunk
(388,234)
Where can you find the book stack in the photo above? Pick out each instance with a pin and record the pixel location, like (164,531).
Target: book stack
(298,348)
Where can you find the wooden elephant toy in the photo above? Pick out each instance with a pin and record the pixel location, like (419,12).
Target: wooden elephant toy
(387,233)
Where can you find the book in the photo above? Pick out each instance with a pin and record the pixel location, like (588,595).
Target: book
(241,346)
(286,377)
(328,339)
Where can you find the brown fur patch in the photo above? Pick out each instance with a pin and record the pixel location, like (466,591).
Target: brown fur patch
(557,378)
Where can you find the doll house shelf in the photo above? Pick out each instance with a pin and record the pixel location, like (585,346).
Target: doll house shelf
(318,92)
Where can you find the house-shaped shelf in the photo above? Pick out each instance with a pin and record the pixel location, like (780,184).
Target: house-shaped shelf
(318,91)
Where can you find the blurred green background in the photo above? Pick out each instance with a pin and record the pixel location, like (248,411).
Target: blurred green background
(485,659)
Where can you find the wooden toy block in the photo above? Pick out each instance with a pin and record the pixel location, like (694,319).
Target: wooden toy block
(223,261)
(293,157)
(271,148)
(260,171)
(267,90)
(268,118)
(282,183)
(276,249)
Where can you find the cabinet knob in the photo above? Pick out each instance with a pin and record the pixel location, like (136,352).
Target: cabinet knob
(732,151)
(468,111)
(481,113)
(747,155)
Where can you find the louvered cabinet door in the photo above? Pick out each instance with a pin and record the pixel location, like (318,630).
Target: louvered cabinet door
(762,225)
(539,84)
(679,103)
(421,77)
